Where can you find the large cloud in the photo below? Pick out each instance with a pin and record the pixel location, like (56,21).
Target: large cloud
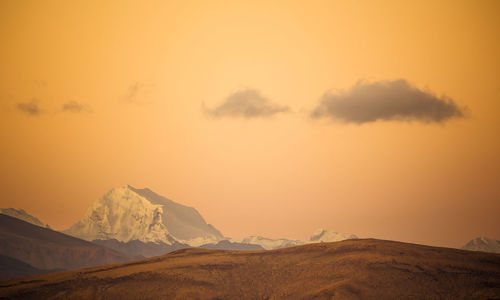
(247,103)
(31,108)
(386,100)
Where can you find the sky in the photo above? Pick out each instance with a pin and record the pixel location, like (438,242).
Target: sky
(272,118)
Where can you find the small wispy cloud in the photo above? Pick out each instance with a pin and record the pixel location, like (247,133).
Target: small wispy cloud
(31,108)
(246,103)
(386,101)
(76,107)
(139,92)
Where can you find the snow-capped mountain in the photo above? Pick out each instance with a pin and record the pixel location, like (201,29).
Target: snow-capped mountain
(323,235)
(22,215)
(268,243)
(127,214)
(483,244)
(320,235)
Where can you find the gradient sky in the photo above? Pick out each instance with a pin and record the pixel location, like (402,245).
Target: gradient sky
(98,94)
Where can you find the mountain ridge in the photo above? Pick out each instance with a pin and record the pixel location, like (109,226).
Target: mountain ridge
(350,269)
(21,214)
(47,249)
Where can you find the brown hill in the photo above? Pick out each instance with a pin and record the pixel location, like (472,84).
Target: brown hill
(12,268)
(47,249)
(352,269)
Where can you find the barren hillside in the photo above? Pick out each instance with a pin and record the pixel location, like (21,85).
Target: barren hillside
(351,269)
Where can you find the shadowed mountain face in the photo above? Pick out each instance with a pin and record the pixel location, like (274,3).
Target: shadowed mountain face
(156,249)
(136,247)
(22,215)
(228,245)
(183,222)
(43,248)
(351,269)
(13,268)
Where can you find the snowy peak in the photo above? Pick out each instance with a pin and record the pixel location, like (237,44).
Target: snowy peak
(323,235)
(483,244)
(123,215)
(22,215)
(320,235)
(269,244)
(126,214)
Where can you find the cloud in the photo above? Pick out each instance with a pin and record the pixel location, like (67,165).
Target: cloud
(246,103)
(75,107)
(139,92)
(386,101)
(31,108)
(133,91)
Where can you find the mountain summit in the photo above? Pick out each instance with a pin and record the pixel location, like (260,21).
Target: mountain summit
(127,214)
(483,244)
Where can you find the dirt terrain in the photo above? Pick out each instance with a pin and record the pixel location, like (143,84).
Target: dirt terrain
(351,269)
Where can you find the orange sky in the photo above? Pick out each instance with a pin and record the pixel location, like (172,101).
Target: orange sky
(142,69)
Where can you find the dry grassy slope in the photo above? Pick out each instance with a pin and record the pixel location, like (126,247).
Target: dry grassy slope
(366,269)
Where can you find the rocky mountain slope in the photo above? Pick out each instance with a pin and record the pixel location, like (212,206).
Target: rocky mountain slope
(127,214)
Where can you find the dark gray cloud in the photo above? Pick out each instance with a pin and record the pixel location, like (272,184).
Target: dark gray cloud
(247,103)
(76,107)
(386,100)
(31,108)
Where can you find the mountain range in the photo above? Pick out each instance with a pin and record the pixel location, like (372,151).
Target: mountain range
(127,223)
(142,222)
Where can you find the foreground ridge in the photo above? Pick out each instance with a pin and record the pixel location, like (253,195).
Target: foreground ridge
(364,268)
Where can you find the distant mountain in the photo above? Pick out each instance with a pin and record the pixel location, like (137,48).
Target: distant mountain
(13,268)
(483,244)
(323,235)
(136,247)
(319,236)
(150,249)
(47,249)
(228,245)
(127,214)
(22,215)
(269,244)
